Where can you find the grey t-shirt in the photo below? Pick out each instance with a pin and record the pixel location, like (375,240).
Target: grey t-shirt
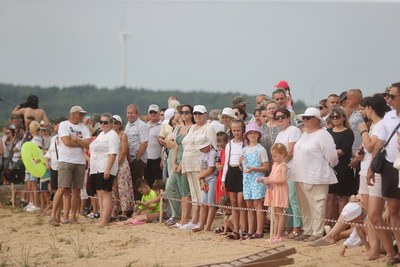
(208,160)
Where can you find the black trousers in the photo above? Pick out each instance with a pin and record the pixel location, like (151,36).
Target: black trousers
(152,171)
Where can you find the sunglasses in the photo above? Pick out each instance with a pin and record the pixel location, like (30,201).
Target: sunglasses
(153,112)
(335,117)
(187,112)
(43,130)
(321,107)
(197,113)
(392,96)
(283,116)
(236,113)
(306,118)
(7,132)
(104,122)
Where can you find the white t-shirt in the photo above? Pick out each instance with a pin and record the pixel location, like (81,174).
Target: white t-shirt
(366,161)
(100,148)
(390,121)
(291,134)
(52,152)
(72,154)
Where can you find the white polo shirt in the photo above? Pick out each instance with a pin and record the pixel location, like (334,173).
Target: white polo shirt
(72,154)
(390,121)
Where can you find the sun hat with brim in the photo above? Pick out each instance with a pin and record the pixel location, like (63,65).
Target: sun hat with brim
(312,112)
(117,118)
(351,211)
(168,114)
(252,127)
(228,112)
(199,108)
(77,109)
(201,141)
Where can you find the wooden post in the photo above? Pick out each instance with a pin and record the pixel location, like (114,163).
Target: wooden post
(161,205)
(272,226)
(12,195)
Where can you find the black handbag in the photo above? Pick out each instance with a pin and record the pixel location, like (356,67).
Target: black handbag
(377,163)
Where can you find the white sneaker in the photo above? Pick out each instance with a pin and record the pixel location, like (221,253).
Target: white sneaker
(33,209)
(189,226)
(27,207)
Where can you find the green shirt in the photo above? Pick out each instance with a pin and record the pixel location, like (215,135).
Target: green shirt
(145,198)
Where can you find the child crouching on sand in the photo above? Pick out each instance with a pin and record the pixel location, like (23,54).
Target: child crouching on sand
(149,209)
(228,220)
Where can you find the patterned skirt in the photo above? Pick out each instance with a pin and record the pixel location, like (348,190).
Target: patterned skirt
(122,193)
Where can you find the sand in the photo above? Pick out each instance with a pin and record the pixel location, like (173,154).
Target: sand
(27,240)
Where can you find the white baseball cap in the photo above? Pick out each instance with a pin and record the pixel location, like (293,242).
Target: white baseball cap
(199,108)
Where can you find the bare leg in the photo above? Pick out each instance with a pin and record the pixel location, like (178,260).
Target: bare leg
(100,200)
(235,213)
(203,216)
(57,202)
(375,207)
(330,208)
(243,213)
(258,204)
(210,217)
(251,216)
(280,222)
(342,202)
(76,198)
(66,203)
(394,208)
(195,214)
(186,207)
(107,206)
(336,230)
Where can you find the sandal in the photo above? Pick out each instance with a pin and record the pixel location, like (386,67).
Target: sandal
(311,238)
(292,235)
(245,236)
(233,236)
(274,240)
(171,221)
(393,261)
(122,218)
(301,237)
(257,236)
(219,230)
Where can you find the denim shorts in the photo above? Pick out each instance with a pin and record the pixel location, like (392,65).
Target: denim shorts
(30,178)
(209,197)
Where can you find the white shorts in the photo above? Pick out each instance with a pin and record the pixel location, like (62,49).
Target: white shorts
(372,190)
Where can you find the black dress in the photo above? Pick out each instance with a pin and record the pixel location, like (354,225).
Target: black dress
(345,175)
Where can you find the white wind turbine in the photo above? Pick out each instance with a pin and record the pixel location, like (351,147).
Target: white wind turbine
(124,37)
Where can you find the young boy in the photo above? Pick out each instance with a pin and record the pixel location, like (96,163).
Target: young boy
(208,178)
(149,207)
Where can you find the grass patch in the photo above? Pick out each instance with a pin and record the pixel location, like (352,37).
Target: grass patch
(129,264)
(13,229)
(39,220)
(5,216)
(77,247)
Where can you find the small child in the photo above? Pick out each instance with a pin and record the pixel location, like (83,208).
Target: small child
(278,195)
(158,186)
(222,140)
(149,207)
(208,178)
(255,163)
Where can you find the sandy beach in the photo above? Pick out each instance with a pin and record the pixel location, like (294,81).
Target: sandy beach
(27,240)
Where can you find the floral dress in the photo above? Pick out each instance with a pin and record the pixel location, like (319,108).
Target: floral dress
(252,189)
(122,193)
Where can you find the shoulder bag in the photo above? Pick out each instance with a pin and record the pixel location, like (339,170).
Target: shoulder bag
(377,163)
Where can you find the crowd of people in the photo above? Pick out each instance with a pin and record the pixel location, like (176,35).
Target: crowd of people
(311,166)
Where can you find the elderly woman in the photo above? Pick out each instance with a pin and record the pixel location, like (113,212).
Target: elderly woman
(288,136)
(104,165)
(191,158)
(313,160)
(269,129)
(122,192)
(226,117)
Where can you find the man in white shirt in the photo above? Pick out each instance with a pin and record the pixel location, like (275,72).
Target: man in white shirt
(138,138)
(214,121)
(74,137)
(153,167)
(390,176)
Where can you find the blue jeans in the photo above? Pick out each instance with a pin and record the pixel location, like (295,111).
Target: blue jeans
(209,197)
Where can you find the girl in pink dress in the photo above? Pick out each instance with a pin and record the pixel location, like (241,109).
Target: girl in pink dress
(277,189)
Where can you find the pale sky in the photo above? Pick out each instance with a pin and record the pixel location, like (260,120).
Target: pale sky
(219,46)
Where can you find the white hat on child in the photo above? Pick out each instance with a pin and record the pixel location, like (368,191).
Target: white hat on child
(351,211)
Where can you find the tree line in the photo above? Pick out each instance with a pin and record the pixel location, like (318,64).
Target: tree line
(57,101)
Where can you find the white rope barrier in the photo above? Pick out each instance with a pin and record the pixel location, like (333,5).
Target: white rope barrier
(389,228)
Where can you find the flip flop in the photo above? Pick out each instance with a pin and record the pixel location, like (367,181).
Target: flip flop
(320,243)
(233,236)
(136,222)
